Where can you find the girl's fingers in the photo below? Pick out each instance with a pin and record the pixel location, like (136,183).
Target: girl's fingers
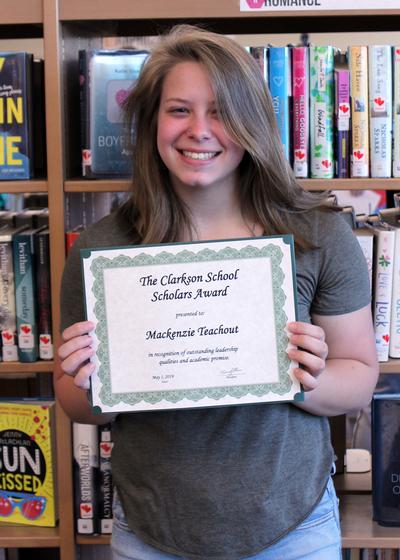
(73,345)
(308,381)
(77,329)
(82,378)
(74,361)
(314,364)
(310,344)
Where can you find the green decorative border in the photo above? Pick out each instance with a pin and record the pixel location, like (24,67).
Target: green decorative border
(271,251)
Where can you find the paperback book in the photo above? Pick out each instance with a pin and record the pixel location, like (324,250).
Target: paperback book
(280,86)
(16,108)
(358,64)
(27,469)
(301,116)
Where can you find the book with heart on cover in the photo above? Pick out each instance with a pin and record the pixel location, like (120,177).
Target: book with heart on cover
(191,325)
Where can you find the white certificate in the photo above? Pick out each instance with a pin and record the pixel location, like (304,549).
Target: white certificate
(191,325)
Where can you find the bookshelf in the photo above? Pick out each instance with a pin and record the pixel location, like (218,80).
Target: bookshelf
(65,26)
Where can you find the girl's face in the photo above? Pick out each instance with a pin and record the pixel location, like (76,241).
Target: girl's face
(191,139)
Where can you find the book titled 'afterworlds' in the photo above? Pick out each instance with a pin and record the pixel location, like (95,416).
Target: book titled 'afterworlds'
(27,468)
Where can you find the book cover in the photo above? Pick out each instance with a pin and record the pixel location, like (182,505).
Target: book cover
(105,476)
(280,83)
(342,123)
(25,295)
(85,208)
(43,293)
(8,320)
(321,111)
(382,286)
(300,115)
(380,109)
(105,79)
(260,54)
(358,64)
(86,477)
(16,140)
(396,110)
(27,469)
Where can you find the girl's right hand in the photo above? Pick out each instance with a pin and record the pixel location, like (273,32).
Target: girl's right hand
(76,352)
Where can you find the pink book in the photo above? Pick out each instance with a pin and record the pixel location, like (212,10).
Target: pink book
(300,88)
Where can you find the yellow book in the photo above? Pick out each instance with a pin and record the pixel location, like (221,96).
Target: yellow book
(358,64)
(27,463)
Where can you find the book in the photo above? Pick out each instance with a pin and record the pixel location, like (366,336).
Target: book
(86,476)
(260,54)
(342,122)
(382,286)
(280,85)
(25,294)
(105,479)
(396,110)
(321,111)
(380,109)
(358,64)
(300,114)
(16,125)
(85,208)
(392,217)
(106,77)
(71,236)
(43,293)
(365,238)
(8,320)
(27,469)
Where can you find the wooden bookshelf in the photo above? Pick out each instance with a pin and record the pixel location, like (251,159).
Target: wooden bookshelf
(26,536)
(21,12)
(19,367)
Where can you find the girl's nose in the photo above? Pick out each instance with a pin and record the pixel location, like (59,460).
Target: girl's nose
(199,129)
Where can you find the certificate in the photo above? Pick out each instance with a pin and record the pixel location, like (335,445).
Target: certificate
(191,325)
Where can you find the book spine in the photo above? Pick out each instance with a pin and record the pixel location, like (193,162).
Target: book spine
(16,149)
(396,111)
(321,112)
(394,344)
(70,238)
(260,54)
(25,297)
(84,101)
(380,109)
(280,88)
(106,486)
(342,123)
(7,303)
(367,246)
(85,472)
(43,293)
(300,118)
(358,64)
(383,280)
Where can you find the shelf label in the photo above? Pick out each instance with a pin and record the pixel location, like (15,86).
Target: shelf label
(314,5)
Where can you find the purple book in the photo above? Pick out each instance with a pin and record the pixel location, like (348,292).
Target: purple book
(342,122)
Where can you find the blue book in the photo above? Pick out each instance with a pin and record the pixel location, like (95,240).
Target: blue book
(25,295)
(106,77)
(16,97)
(280,88)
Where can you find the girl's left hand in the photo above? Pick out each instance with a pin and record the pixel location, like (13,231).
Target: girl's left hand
(310,352)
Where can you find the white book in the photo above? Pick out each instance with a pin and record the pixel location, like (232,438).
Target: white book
(380,109)
(365,238)
(392,217)
(382,285)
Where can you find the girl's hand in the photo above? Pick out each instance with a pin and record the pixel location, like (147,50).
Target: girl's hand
(76,351)
(311,352)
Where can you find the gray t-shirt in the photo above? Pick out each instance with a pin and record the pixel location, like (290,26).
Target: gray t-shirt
(225,483)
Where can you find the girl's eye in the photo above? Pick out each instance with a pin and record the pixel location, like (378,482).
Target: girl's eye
(178,110)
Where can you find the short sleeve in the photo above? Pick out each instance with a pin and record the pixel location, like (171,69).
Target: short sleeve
(343,282)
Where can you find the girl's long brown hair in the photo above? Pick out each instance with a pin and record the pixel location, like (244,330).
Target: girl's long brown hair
(269,193)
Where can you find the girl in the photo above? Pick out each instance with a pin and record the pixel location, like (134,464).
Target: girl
(242,481)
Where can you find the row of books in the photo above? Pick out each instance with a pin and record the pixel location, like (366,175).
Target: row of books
(379,237)
(22,117)
(93,490)
(338,114)
(371,554)
(25,286)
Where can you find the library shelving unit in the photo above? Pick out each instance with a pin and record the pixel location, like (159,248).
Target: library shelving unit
(65,26)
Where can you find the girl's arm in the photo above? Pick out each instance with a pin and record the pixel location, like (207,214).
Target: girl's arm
(339,362)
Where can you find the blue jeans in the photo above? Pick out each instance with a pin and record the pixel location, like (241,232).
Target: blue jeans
(317,538)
